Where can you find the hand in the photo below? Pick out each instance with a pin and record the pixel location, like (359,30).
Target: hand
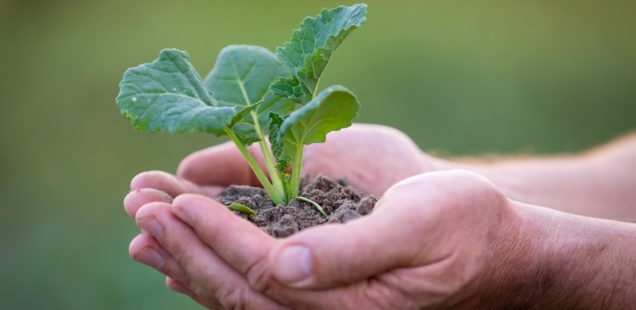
(370,157)
(446,239)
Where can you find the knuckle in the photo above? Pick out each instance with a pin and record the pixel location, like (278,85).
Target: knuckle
(183,254)
(258,276)
(231,298)
(151,210)
(381,296)
(481,186)
(472,178)
(143,179)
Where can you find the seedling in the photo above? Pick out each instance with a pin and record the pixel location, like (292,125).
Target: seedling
(252,93)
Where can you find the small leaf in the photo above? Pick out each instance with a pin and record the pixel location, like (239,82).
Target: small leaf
(311,46)
(282,161)
(291,88)
(333,109)
(239,207)
(168,95)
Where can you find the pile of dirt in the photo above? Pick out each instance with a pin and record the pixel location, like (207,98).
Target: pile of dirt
(341,202)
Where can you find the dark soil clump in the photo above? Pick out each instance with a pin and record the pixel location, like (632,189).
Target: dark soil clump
(341,202)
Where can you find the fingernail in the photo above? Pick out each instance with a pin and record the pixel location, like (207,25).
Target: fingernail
(150,257)
(293,264)
(153,228)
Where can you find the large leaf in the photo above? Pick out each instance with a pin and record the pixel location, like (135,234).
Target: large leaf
(241,77)
(168,95)
(333,109)
(311,46)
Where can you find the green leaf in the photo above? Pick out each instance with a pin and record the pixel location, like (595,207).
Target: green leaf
(168,95)
(333,109)
(239,207)
(291,88)
(311,46)
(241,77)
(282,161)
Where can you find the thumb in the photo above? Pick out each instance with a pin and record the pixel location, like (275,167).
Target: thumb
(220,165)
(332,255)
(414,224)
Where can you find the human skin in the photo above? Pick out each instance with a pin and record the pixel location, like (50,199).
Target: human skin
(598,183)
(504,252)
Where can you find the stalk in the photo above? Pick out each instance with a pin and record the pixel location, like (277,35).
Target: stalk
(260,175)
(295,174)
(277,190)
(269,163)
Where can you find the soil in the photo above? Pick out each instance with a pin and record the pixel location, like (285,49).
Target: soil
(341,202)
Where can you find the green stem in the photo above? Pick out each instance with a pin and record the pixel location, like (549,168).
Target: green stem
(273,173)
(260,175)
(269,163)
(295,174)
(313,95)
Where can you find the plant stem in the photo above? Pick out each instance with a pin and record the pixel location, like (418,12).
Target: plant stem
(313,95)
(269,163)
(273,173)
(295,174)
(260,175)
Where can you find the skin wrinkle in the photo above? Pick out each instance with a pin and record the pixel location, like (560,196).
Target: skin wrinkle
(257,274)
(380,293)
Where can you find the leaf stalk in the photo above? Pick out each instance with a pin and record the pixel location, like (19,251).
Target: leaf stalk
(251,161)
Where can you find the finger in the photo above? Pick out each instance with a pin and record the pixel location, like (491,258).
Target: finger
(179,287)
(220,165)
(146,250)
(139,197)
(388,238)
(207,274)
(415,223)
(169,184)
(238,242)
(245,247)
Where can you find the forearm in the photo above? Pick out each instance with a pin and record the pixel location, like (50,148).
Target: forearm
(568,261)
(601,183)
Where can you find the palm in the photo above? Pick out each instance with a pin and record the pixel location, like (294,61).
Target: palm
(370,157)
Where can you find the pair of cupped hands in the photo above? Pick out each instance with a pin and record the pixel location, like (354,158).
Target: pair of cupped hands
(437,237)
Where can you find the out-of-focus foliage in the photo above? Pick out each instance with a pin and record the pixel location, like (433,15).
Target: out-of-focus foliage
(464,77)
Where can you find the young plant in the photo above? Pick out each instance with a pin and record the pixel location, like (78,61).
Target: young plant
(252,93)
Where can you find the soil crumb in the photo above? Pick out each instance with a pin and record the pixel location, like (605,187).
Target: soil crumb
(341,202)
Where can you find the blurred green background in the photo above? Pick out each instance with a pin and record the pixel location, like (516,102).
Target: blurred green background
(463,77)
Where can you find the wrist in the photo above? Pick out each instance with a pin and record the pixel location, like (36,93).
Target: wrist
(552,259)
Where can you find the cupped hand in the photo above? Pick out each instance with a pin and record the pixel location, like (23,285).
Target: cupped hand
(370,157)
(434,240)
